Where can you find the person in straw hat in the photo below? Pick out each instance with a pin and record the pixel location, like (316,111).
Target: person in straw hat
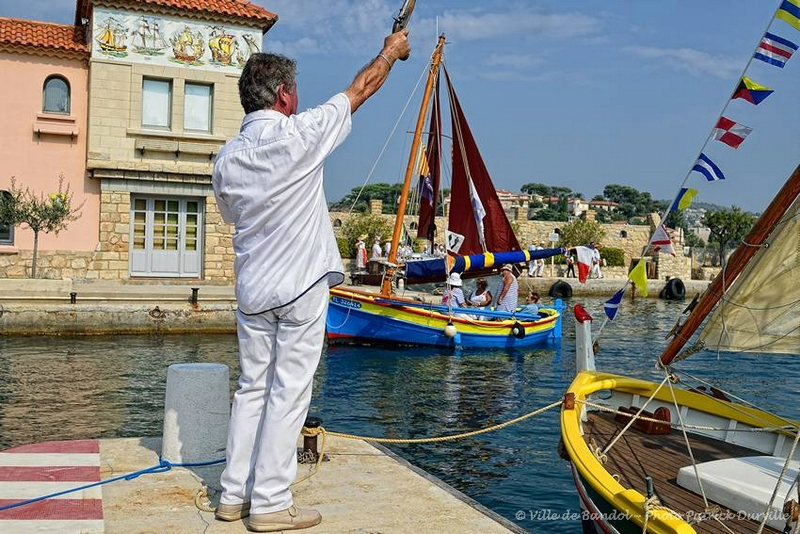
(508,295)
(361,253)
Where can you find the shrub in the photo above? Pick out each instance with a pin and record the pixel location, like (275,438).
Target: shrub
(615,257)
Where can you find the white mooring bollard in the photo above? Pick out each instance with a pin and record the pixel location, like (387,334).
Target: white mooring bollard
(196,412)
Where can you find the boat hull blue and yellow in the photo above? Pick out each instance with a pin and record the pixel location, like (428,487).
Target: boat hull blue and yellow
(360,316)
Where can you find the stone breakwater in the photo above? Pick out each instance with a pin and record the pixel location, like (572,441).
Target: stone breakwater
(46,307)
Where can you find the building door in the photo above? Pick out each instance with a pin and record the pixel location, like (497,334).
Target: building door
(166,237)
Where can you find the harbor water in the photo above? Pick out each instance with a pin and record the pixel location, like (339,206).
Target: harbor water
(61,388)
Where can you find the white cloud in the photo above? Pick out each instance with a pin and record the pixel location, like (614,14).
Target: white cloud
(695,62)
(353,26)
(476,24)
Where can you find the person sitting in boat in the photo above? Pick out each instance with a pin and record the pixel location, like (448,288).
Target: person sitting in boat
(531,306)
(481,297)
(509,290)
(361,253)
(453,294)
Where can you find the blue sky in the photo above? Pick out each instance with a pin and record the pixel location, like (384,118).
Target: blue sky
(578,94)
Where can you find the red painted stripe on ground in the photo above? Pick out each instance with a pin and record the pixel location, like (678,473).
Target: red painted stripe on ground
(63,509)
(73,473)
(84,446)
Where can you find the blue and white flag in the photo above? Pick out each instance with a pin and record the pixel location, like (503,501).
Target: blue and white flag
(707,168)
(612,304)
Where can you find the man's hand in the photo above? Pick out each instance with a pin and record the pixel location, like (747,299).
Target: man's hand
(373,75)
(396,46)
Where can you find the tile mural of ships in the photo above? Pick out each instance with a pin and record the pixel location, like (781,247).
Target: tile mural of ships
(142,39)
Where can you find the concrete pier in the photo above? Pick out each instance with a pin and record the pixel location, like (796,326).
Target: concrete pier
(360,489)
(45,307)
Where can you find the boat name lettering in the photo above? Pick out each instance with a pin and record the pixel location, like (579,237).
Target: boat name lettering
(345,302)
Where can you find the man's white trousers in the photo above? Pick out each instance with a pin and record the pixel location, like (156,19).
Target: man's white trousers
(279,351)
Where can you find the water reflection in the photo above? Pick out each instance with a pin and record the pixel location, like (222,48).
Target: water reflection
(113,386)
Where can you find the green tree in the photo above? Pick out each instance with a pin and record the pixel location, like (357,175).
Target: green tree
(359,198)
(581,232)
(47,214)
(727,228)
(536,189)
(549,214)
(371,225)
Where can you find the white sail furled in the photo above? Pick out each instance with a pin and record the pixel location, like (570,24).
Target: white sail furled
(761,310)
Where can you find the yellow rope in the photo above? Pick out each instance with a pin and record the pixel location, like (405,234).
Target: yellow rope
(320,430)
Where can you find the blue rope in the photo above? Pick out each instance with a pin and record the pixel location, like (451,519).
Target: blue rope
(162,467)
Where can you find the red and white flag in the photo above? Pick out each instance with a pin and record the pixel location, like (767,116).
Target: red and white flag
(584,256)
(661,241)
(731,133)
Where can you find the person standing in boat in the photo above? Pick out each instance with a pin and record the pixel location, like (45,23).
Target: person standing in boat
(376,249)
(268,182)
(508,295)
(361,253)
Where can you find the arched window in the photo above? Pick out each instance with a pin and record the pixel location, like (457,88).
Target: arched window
(337,223)
(623,233)
(55,95)
(6,231)
(413,226)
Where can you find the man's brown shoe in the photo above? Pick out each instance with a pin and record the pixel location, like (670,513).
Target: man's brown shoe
(290,519)
(232,512)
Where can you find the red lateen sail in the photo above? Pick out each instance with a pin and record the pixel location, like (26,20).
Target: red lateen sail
(429,184)
(468,165)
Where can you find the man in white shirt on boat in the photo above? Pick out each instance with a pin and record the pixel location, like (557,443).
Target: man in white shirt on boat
(268,182)
(377,252)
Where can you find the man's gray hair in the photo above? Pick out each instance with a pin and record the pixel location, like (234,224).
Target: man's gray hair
(261,77)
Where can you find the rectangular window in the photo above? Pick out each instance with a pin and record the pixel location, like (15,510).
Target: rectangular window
(6,231)
(197,107)
(156,103)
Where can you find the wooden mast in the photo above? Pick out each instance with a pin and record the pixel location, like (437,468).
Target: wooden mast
(738,261)
(386,286)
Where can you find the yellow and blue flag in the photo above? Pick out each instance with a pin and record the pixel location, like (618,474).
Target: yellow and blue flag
(790,12)
(638,276)
(684,199)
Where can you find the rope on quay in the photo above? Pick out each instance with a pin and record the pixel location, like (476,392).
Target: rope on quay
(202,494)
(162,467)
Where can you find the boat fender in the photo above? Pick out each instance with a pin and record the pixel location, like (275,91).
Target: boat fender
(518,331)
(674,290)
(560,289)
(450,330)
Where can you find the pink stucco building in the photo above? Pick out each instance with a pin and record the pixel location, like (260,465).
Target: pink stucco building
(43,102)
(131,104)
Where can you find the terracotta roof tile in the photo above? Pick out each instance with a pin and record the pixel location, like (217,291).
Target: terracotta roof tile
(241,9)
(42,37)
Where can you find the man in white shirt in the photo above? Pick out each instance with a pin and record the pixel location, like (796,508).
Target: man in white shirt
(596,260)
(376,249)
(268,182)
